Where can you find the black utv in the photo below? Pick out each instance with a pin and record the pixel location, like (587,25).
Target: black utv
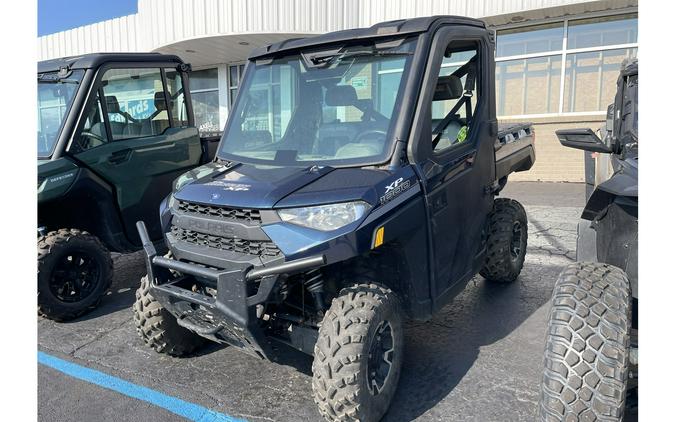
(590,360)
(354,188)
(114,130)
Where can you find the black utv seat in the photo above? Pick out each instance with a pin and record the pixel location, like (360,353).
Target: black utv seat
(448,88)
(132,127)
(158,126)
(338,138)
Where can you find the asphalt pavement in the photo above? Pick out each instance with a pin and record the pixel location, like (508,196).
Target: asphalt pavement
(479,359)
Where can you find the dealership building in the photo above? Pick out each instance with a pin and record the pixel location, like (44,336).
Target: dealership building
(556,60)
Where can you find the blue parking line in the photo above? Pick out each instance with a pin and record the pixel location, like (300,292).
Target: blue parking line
(191,411)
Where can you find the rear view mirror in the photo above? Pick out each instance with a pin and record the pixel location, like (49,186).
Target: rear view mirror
(584,139)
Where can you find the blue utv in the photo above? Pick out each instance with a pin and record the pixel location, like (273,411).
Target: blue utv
(354,187)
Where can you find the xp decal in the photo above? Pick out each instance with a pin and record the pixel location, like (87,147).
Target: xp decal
(394,189)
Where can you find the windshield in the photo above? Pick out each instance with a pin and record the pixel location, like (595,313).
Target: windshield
(327,109)
(55,95)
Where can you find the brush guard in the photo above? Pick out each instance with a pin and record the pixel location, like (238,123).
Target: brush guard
(229,317)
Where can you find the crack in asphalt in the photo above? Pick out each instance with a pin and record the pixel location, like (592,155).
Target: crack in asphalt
(99,336)
(262,418)
(551,251)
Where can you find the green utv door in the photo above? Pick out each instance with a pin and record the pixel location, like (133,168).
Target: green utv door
(136,134)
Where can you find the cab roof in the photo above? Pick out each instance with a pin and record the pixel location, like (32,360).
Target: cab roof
(388,29)
(95,60)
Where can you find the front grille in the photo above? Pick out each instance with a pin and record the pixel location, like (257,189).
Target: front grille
(247,247)
(240,214)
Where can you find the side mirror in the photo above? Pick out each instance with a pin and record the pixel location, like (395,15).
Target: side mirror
(584,139)
(610,118)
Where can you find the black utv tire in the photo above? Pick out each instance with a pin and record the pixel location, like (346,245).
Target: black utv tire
(74,271)
(159,329)
(506,241)
(358,355)
(586,359)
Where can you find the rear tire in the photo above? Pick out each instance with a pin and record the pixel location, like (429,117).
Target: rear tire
(358,355)
(506,241)
(586,359)
(74,271)
(159,329)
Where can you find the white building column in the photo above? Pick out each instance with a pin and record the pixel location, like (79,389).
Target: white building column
(223,101)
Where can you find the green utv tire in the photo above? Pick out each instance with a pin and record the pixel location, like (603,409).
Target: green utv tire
(159,329)
(506,241)
(586,359)
(74,271)
(358,355)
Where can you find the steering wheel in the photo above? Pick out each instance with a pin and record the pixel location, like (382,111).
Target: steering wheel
(369,132)
(88,140)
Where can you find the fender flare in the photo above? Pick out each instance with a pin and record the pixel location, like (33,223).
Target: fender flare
(88,204)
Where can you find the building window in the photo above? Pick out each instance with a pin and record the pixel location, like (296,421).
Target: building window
(590,79)
(204,93)
(562,67)
(528,86)
(531,39)
(235,73)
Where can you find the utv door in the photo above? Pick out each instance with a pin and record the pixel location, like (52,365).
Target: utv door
(137,133)
(454,153)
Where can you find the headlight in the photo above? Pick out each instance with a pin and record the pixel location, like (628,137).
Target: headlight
(325,217)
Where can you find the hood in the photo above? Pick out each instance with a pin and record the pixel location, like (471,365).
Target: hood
(261,187)
(249,185)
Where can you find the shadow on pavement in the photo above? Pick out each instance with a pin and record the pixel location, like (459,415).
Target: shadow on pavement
(440,352)
(128,269)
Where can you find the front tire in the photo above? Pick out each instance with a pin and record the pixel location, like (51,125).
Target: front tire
(159,329)
(358,355)
(506,241)
(586,359)
(74,271)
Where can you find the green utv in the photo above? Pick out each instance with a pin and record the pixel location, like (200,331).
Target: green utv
(114,131)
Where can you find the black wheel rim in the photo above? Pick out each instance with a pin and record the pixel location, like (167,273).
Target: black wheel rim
(74,277)
(380,358)
(516,241)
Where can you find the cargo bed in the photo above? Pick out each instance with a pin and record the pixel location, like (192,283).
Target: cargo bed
(514,148)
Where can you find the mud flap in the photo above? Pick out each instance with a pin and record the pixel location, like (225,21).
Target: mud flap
(586,242)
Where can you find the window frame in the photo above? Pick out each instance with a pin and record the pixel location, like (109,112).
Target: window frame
(217,90)
(420,149)
(96,86)
(477,94)
(562,53)
(241,67)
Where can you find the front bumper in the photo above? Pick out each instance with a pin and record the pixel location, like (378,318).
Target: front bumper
(230,315)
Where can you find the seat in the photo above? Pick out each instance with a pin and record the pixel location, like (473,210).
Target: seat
(158,126)
(332,136)
(117,128)
(448,88)
(449,136)
(352,150)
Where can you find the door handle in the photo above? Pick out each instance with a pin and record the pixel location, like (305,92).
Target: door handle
(119,157)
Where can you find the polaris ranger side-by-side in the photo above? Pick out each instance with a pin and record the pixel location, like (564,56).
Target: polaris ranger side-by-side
(590,360)
(354,187)
(114,130)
